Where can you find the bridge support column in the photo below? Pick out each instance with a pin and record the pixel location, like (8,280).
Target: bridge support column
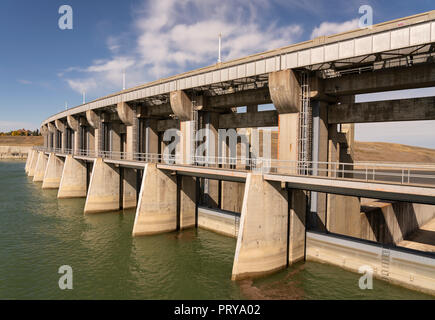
(95,131)
(104,192)
(157,207)
(73,181)
(262,239)
(61,127)
(183,108)
(285,93)
(343,212)
(212,188)
(317,218)
(53,173)
(41,165)
(74,124)
(128,116)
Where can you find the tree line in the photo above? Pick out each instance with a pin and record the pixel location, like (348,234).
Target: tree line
(21,132)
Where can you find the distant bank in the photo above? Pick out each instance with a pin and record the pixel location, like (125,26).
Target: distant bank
(18,147)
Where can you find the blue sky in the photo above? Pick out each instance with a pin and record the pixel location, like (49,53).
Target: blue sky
(42,67)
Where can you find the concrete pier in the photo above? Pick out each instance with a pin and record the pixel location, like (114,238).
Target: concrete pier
(32,164)
(157,208)
(103,194)
(53,173)
(73,182)
(40,167)
(29,160)
(262,240)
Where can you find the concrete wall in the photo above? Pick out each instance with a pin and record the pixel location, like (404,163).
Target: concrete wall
(398,267)
(219,221)
(14,152)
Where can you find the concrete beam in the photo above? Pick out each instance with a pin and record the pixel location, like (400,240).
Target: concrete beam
(73,123)
(93,119)
(126,113)
(248,120)
(51,127)
(157,208)
(60,125)
(383,111)
(53,173)
(418,76)
(262,239)
(155,111)
(238,99)
(73,182)
(181,105)
(285,91)
(103,193)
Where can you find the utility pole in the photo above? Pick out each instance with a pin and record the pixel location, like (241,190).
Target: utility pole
(123,79)
(84,97)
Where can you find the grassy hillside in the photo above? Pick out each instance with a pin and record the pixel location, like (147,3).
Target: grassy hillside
(392,152)
(21,141)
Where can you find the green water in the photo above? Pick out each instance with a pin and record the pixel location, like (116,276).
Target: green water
(39,233)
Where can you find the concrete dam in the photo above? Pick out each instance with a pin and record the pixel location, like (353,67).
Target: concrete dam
(179,151)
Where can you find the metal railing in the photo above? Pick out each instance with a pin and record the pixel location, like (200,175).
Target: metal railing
(405,174)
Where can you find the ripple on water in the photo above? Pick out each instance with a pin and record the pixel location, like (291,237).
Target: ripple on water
(39,233)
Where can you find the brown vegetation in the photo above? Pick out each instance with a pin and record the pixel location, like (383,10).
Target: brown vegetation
(21,140)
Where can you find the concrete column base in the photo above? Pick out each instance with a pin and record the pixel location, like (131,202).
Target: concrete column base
(157,208)
(103,193)
(41,165)
(73,181)
(262,239)
(53,173)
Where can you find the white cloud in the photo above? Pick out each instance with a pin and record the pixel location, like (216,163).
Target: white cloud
(328,28)
(22,81)
(6,126)
(176,36)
